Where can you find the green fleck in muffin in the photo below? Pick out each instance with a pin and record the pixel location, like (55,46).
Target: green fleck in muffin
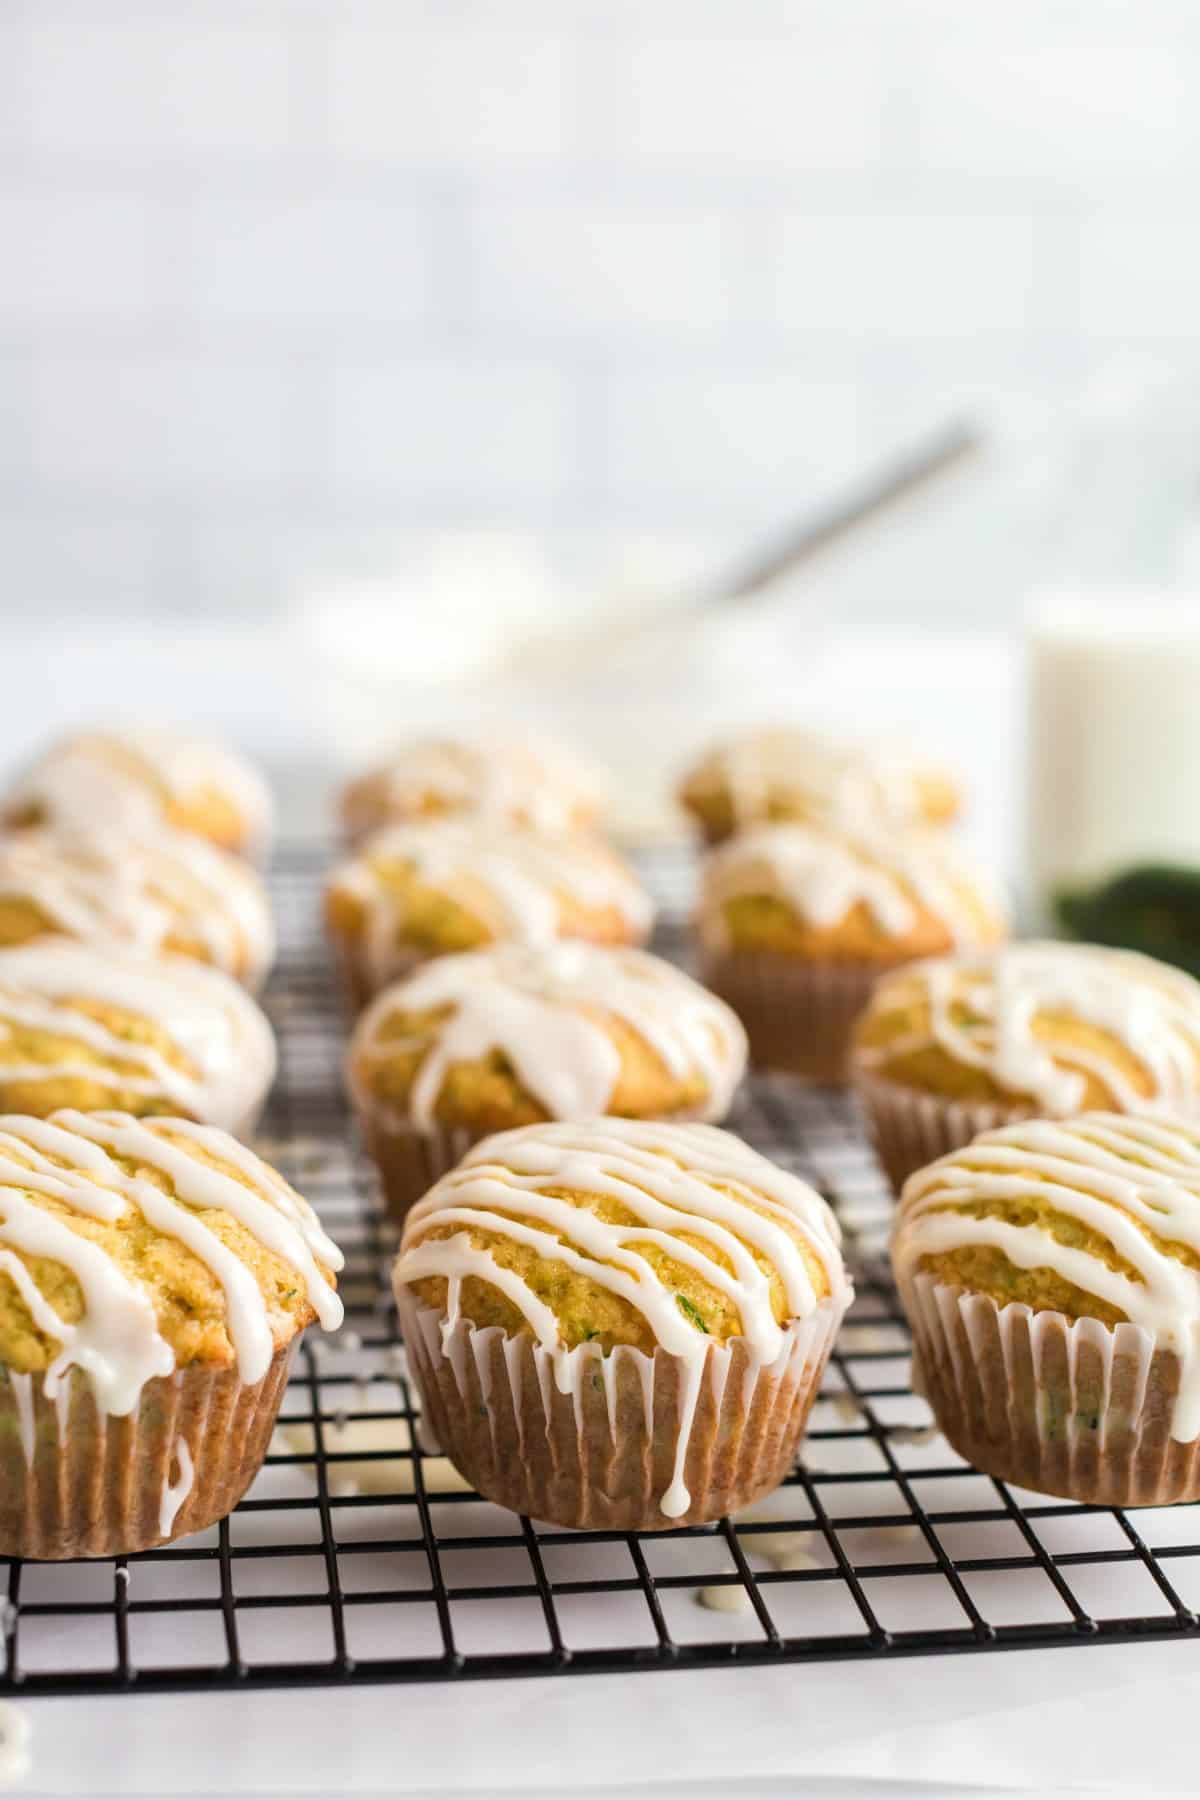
(619,1324)
(156,1277)
(497,1038)
(1051,1274)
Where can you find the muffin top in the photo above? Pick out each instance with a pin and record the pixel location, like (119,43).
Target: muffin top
(461,882)
(113,1028)
(130,1247)
(156,889)
(615,1232)
(793,774)
(1096,1218)
(507,1036)
(871,894)
(518,780)
(137,779)
(1059,1028)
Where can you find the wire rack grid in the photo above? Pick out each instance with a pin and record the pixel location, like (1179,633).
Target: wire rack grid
(358,1556)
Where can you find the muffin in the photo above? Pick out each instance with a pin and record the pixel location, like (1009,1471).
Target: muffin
(797,775)
(113,1029)
(460,883)
(155,890)
(156,1278)
(511,1036)
(516,780)
(954,1046)
(617,1324)
(1051,1274)
(797,923)
(139,779)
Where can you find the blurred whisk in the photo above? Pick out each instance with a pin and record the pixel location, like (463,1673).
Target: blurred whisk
(896,481)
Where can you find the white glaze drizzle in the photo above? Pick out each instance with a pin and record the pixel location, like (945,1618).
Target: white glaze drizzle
(176,1492)
(517,779)
(823,875)
(543,1008)
(116,1342)
(220,1033)
(1151,1010)
(269,1210)
(673,1179)
(118,779)
(824,779)
(1111,1172)
(514,880)
(140,888)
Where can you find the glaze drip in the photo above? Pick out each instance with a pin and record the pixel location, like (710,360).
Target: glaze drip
(80,1161)
(544,1009)
(1120,1177)
(221,1038)
(142,888)
(514,880)
(673,1180)
(121,780)
(495,776)
(822,876)
(837,783)
(984,1011)
(176,1492)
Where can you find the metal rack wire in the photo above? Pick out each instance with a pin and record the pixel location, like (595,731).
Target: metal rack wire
(362,1559)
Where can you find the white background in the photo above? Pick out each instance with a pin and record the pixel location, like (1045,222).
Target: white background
(284,278)
(284,281)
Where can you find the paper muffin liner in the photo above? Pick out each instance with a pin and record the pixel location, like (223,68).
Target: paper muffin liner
(1077,1409)
(799,1014)
(409,1161)
(910,1129)
(713,828)
(357,981)
(77,1481)
(602,1456)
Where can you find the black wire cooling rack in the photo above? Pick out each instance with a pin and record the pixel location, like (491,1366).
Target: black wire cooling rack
(357,1557)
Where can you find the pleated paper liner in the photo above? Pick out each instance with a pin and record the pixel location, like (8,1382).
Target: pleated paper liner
(1077,1409)
(602,1457)
(76,1481)
(910,1129)
(799,1014)
(409,1161)
(357,978)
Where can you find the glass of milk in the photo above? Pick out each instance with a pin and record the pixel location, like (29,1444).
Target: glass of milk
(1114,771)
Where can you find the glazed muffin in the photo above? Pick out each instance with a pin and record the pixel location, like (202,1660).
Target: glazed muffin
(140,779)
(113,1029)
(954,1046)
(156,1277)
(620,1325)
(796,775)
(154,890)
(796,924)
(460,883)
(496,1038)
(515,780)
(1051,1274)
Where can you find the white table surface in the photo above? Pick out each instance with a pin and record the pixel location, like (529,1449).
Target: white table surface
(1109,1719)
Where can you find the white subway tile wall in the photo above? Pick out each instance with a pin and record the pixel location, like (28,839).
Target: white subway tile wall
(282,279)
